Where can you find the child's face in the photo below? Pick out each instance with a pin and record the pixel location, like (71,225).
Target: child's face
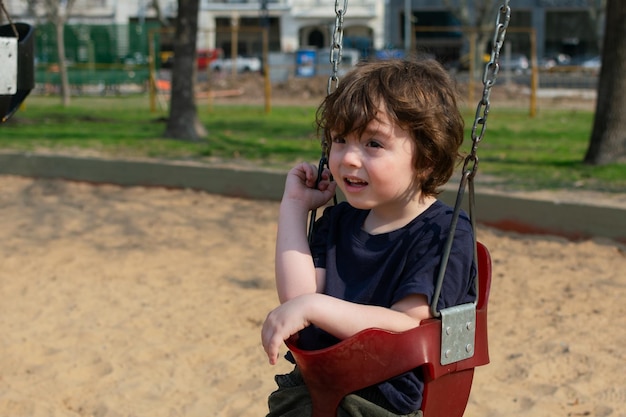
(375,170)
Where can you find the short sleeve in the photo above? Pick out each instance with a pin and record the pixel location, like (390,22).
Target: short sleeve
(319,240)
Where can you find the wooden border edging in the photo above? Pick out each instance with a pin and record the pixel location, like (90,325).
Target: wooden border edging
(252,184)
(499,210)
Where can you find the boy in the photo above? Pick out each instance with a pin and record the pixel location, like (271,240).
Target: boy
(394,131)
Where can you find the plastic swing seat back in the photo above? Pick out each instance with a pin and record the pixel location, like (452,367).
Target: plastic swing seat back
(17,77)
(374,355)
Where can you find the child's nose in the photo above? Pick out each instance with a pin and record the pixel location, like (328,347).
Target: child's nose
(351,156)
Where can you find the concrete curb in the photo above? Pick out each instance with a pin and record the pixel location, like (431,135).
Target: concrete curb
(571,220)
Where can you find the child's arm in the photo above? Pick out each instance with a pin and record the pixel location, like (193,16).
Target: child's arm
(338,317)
(295,272)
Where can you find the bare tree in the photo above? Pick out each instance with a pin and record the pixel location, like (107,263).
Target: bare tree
(57,13)
(480,20)
(183,122)
(608,137)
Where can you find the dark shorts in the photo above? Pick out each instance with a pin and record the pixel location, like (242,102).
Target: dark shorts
(292,399)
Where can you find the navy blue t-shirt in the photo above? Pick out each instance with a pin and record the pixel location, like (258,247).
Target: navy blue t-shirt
(383,269)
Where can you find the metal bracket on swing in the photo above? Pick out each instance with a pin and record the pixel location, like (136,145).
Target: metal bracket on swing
(458,331)
(17,66)
(8,63)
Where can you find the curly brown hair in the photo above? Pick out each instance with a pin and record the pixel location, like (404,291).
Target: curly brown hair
(417,94)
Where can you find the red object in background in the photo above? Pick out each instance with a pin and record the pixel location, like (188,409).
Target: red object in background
(203,57)
(206,56)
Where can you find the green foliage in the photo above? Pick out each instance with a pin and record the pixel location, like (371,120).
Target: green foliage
(521,152)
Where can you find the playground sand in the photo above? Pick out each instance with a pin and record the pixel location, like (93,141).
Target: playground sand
(148,302)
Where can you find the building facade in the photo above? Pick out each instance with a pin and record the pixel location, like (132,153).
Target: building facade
(293,24)
(573,27)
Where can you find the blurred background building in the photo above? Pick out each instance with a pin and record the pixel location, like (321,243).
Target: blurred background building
(128,32)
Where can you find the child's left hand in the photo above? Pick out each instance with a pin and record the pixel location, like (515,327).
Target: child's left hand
(281,323)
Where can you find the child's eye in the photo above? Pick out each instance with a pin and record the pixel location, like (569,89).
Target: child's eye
(339,139)
(374,144)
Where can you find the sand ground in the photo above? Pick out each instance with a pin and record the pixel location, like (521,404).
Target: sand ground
(148,302)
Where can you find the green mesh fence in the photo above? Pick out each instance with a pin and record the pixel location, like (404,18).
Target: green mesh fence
(98,57)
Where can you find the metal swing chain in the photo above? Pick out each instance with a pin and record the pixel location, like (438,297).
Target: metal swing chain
(489,79)
(470,165)
(336,48)
(4,10)
(336,53)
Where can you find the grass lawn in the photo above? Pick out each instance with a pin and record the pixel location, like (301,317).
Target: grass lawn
(544,152)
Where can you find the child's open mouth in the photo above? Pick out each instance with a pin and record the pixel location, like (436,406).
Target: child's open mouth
(355,182)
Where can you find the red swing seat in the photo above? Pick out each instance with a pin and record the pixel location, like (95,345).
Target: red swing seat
(374,355)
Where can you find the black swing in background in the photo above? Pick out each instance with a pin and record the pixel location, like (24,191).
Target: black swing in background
(17,65)
(447,347)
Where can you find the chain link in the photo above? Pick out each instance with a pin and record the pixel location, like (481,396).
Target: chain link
(489,79)
(336,53)
(336,47)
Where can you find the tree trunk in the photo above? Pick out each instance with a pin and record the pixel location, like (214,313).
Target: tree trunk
(608,138)
(183,121)
(59,25)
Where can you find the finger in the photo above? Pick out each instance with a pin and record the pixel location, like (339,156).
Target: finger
(273,350)
(300,171)
(326,183)
(331,189)
(311,176)
(326,174)
(271,340)
(273,359)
